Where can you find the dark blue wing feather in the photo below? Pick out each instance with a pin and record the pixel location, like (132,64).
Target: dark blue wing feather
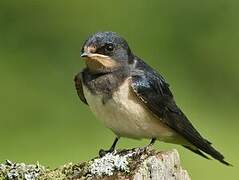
(79,88)
(153,90)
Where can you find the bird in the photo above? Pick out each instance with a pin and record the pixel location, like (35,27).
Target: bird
(132,99)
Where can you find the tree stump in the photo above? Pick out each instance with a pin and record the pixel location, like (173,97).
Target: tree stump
(134,164)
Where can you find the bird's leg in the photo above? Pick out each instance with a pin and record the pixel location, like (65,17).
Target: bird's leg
(112,148)
(151,142)
(143,149)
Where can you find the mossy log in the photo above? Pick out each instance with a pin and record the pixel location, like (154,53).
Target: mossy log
(135,164)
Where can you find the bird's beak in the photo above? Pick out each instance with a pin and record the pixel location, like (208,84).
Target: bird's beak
(90,55)
(98,62)
(85,54)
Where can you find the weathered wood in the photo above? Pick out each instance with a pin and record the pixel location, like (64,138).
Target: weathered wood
(136,164)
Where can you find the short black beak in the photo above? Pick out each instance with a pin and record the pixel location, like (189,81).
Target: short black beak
(84,54)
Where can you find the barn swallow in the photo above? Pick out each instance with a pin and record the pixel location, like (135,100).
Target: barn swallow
(131,98)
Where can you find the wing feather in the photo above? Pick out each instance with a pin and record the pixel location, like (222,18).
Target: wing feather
(79,87)
(154,92)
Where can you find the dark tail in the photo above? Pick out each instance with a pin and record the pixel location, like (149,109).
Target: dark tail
(209,150)
(179,122)
(197,151)
(215,154)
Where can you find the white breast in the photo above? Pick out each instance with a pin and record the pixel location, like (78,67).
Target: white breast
(126,116)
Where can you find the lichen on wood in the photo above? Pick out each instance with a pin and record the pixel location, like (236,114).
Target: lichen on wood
(135,164)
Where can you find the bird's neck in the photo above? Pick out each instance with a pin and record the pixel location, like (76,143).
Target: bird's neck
(107,82)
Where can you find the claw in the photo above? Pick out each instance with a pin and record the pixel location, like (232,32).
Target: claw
(103,152)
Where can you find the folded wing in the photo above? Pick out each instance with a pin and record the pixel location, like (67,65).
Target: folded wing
(154,92)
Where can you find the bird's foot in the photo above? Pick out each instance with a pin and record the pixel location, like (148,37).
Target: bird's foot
(103,152)
(144,149)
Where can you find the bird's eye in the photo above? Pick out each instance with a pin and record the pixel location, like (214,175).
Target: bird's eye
(109,47)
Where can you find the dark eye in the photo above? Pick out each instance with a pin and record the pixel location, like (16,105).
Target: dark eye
(109,47)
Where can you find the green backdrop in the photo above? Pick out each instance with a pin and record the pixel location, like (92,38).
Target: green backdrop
(194,44)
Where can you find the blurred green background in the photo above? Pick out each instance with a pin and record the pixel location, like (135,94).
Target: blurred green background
(194,44)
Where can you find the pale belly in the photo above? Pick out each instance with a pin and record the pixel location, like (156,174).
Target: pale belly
(126,116)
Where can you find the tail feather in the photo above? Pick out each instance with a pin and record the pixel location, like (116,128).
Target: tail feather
(179,122)
(217,155)
(207,148)
(197,151)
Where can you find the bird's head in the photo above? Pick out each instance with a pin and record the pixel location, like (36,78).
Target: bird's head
(105,52)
